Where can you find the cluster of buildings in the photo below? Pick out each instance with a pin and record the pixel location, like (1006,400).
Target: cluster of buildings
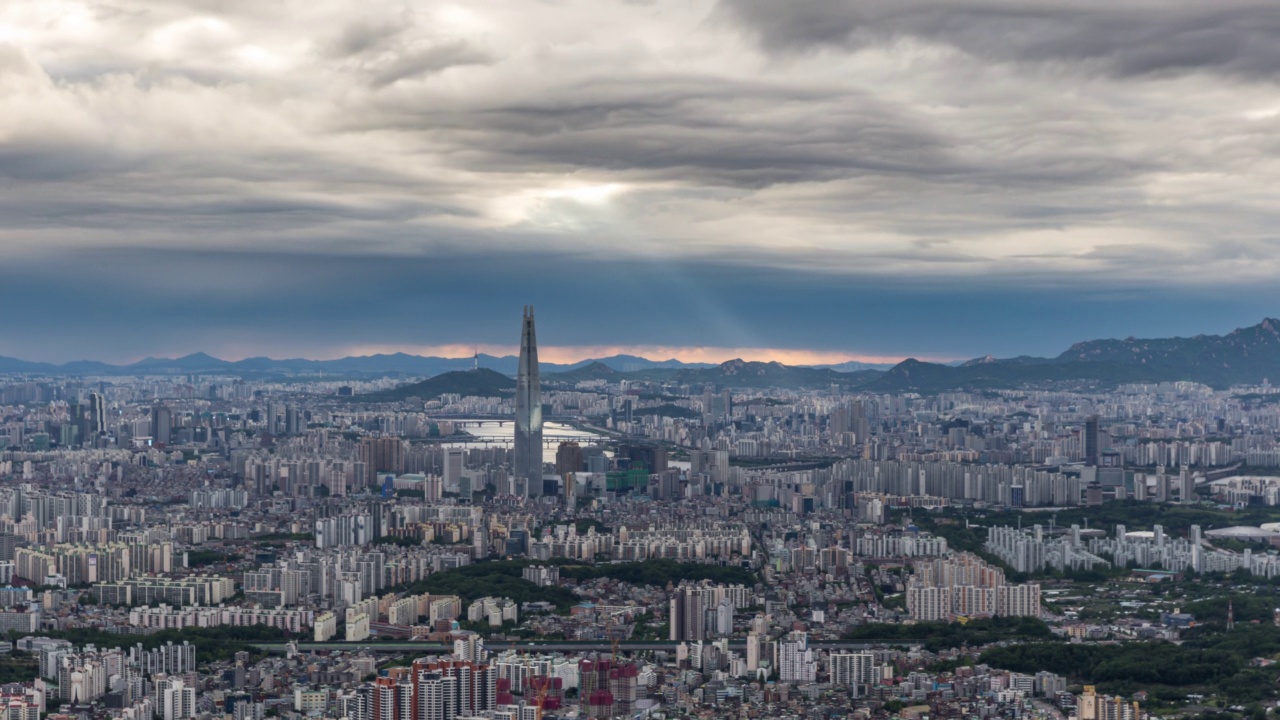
(965,585)
(180,503)
(1038,548)
(702,611)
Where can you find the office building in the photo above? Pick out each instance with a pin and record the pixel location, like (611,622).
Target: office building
(161,424)
(453,458)
(1091,449)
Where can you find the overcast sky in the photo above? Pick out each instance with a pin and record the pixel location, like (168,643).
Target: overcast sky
(808,179)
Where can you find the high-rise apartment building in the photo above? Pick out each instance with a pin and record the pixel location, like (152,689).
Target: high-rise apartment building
(651,456)
(688,615)
(177,700)
(569,458)
(447,689)
(382,455)
(796,663)
(851,668)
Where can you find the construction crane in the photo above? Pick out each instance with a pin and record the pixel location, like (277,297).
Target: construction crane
(542,695)
(615,632)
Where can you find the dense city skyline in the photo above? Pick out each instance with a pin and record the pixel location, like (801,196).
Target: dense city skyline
(703,542)
(271,445)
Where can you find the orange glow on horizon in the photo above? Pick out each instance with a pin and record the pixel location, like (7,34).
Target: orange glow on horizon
(567,354)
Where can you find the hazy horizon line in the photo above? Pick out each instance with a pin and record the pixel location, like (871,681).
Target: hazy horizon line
(568,354)
(556,354)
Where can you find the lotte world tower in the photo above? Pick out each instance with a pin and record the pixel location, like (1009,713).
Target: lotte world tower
(527,462)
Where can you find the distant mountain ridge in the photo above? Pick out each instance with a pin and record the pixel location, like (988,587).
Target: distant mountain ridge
(595,370)
(1244,350)
(360,366)
(853,366)
(732,373)
(1244,356)
(380,365)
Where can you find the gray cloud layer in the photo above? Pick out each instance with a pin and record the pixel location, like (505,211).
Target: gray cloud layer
(1131,38)
(1096,146)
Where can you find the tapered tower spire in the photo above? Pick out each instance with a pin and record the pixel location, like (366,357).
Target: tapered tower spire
(527,460)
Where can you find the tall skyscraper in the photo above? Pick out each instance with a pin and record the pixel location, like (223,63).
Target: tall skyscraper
(569,458)
(161,424)
(381,455)
(97,414)
(274,412)
(1186,486)
(293,421)
(453,466)
(177,700)
(651,455)
(796,662)
(853,669)
(527,462)
(687,616)
(1091,449)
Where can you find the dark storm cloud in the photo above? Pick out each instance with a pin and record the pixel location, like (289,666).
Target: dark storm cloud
(1124,38)
(696,129)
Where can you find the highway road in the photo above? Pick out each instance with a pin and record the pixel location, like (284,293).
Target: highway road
(428,648)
